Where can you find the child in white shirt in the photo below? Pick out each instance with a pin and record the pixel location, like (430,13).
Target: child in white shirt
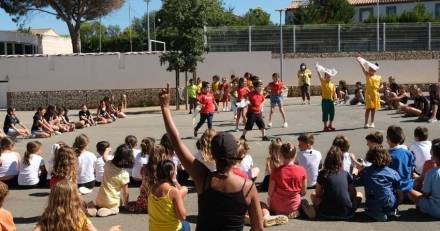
(32,170)
(308,158)
(247,163)
(132,141)
(141,158)
(421,148)
(103,149)
(86,164)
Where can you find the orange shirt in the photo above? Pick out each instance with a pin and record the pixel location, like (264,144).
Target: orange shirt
(6,221)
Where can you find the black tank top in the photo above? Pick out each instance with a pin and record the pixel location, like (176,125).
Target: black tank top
(220,210)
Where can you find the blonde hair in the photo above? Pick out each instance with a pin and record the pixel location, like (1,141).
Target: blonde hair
(65,164)
(273,159)
(288,151)
(80,143)
(205,145)
(64,210)
(243,148)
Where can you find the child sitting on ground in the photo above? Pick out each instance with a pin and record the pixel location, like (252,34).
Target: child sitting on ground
(165,201)
(402,160)
(349,163)
(9,162)
(373,139)
(359,97)
(287,184)
(149,178)
(141,158)
(40,128)
(382,185)
(32,170)
(335,196)
(246,162)
(203,153)
(132,141)
(429,200)
(12,126)
(427,166)
(272,162)
(6,218)
(343,94)
(419,107)
(65,166)
(64,211)
(86,164)
(308,158)
(103,149)
(421,148)
(114,183)
(170,154)
(85,117)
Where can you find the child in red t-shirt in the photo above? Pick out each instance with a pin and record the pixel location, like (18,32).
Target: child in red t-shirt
(276,88)
(254,114)
(287,184)
(207,100)
(242,95)
(6,218)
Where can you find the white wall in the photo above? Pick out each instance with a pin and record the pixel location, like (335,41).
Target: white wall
(52,45)
(131,71)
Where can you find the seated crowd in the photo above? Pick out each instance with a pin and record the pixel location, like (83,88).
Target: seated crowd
(54,120)
(224,174)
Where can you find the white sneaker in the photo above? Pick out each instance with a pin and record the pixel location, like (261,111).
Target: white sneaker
(84,190)
(285,125)
(270,221)
(269,125)
(57,133)
(366,126)
(372,125)
(432,120)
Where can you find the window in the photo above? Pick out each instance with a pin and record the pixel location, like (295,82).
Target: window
(365,13)
(391,11)
(437,10)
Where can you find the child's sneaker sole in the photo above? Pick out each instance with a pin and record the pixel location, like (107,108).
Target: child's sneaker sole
(293,215)
(270,221)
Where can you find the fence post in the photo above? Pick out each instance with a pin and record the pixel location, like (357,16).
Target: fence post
(250,39)
(339,37)
(384,37)
(378,35)
(294,38)
(429,36)
(205,37)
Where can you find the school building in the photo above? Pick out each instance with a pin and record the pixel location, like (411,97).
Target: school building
(37,41)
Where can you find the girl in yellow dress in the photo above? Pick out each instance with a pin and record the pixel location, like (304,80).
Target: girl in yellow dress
(373,84)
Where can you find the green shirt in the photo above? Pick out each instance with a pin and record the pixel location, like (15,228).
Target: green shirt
(192,90)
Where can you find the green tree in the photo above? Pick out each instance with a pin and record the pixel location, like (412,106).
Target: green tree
(72,12)
(257,17)
(418,14)
(91,33)
(181,28)
(329,11)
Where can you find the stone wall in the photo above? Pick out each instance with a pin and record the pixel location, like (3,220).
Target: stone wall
(73,99)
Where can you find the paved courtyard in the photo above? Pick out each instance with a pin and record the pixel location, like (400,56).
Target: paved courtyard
(27,205)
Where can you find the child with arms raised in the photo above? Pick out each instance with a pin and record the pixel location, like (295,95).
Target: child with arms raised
(287,184)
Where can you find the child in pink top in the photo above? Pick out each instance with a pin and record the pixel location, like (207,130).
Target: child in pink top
(287,184)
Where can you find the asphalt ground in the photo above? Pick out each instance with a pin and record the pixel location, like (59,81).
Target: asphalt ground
(28,205)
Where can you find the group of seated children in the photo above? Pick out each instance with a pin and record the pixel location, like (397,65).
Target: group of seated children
(389,177)
(54,120)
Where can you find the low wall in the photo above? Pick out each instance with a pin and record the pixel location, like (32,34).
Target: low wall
(73,99)
(29,101)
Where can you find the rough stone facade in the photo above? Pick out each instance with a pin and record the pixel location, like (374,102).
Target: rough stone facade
(74,99)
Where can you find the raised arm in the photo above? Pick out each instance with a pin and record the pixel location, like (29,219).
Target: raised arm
(319,74)
(194,168)
(362,67)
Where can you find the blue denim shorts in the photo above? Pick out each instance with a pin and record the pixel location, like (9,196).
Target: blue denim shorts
(276,100)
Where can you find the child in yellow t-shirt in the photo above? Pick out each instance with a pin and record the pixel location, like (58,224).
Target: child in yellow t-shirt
(165,201)
(372,96)
(328,96)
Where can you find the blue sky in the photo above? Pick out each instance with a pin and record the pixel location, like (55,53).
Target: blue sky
(120,17)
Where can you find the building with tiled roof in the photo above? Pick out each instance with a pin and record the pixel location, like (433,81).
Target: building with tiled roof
(366,8)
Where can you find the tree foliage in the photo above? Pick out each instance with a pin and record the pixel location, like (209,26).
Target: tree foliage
(324,11)
(257,17)
(182,28)
(72,12)
(418,14)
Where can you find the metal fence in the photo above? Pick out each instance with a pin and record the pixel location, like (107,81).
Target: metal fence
(326,38)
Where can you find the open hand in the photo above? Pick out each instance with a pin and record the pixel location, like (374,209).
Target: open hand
(164,96)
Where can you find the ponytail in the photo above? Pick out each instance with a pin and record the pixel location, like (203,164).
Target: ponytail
(31,148)
(147,146)
(288,150)
(80,144)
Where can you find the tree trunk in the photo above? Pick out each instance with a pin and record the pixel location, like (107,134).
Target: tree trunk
(75,36)
(186,86)
(177,89)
